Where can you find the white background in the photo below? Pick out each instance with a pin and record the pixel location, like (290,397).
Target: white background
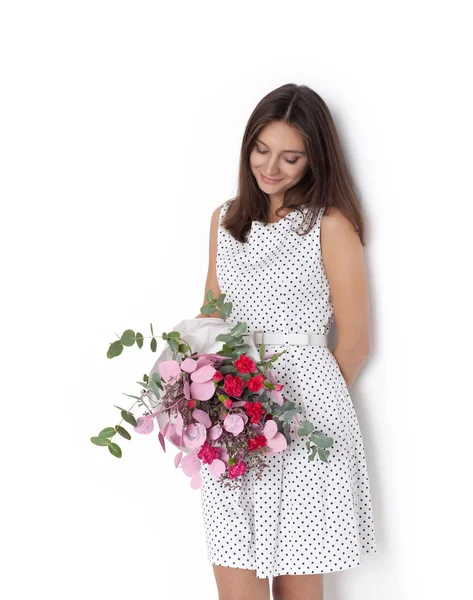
(121,125)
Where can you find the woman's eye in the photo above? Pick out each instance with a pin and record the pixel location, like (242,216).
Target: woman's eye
(291,162)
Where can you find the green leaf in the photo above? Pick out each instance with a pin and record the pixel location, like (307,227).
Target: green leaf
(226,310)
(262,351)
(128,337)
(100,441)
(321,440)
(151,327)
(184,347)
(139,340)
(108,432)
(116,348)
(239,329)
(208,309)
(305,428)
(155,390)
(156,377)
(173,345)
(128,417)
(323,454)
(119,407)
(225,337)
(153,344)
(289,414)
(123,432)
(307,445)
(210,295)
(242,348)
(220,300)
(115,450)
(131,396)
(174,334)
(314,452)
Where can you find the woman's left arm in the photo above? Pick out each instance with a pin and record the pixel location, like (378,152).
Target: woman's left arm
(343,260)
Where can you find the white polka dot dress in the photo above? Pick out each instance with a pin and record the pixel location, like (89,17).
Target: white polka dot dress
(301,517)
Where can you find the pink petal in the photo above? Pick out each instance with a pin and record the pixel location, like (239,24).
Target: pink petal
(144,424)
(202,391)
(195,435)
(178,424)
(276,396)
(189,365)
(278,443)
(202,417)
(187,394)
(190,464)
(270,429)
(238,403)
(177,459)
(203,374)
(196,481)
(161,441)
(169,369)
(164,430)
(224,454)
(234,424)
(215,432)
(217,467)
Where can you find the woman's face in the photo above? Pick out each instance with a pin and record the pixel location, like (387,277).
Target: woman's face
(278,153)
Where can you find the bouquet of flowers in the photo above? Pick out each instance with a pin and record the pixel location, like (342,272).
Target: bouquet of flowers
(224,408)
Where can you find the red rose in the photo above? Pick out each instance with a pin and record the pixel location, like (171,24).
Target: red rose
(256,442)
(254,410)
(233,385)
(255,383)
(245,364)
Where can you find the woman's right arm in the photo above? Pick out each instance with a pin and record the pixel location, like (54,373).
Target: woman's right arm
(211,282)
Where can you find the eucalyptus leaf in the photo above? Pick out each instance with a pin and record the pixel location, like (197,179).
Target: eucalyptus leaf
(131,396)
(220,300)
(139,340)
(115,450)
(305,428)
(116,348)
(321,440)
(100,441)
(226,310)
(123,432)
(173,345)
(323,454)
(128,417)
(128,337)
(174,334)
(153,344)
(107,432)
(225,337)
(210,295)
(239,329)
(206,309)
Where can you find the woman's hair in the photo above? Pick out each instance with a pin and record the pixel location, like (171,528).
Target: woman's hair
(327,181)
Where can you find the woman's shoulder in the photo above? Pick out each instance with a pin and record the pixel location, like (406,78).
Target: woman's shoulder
(335,221)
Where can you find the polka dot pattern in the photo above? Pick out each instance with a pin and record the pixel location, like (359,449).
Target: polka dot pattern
(301,516)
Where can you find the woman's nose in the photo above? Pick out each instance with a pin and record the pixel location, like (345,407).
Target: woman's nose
(272,167)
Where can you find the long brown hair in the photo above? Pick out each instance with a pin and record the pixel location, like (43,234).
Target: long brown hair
(327,181)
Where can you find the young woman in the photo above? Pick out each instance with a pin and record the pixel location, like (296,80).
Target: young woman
(288,253)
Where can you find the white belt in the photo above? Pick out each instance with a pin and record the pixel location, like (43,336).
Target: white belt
(285,337)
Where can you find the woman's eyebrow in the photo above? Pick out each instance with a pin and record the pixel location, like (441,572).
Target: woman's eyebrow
(294,151)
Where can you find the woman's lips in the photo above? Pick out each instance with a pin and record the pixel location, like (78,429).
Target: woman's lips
(266,180)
